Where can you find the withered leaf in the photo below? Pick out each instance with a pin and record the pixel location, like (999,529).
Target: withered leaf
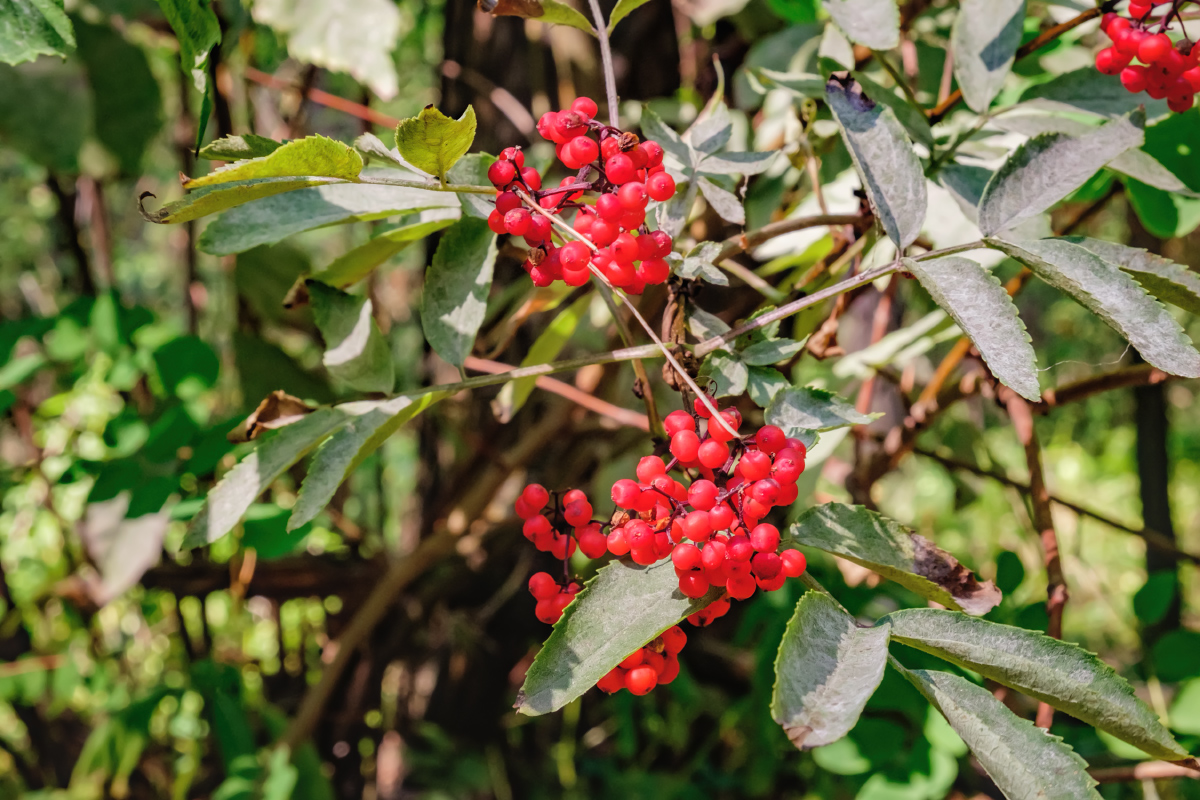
(279,409)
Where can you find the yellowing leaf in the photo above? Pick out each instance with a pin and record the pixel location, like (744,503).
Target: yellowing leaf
(312,156)
(432,142)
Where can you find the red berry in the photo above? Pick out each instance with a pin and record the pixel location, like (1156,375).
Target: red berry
(619,169)
(740,587)
(722,517)
(517,221)
(547,610)
(713,454)
(496,222)
(613,682)
(502,173)
(535,496)
(1192,76)
(765,491)
(592,543)
(702,409)
(702,495)
(536,526)
(1153,48)
(585,106)
(582,150)
(755,465)
(693,585)
(604,233)
(1139,10)
(633,196)
(618,545)
(794,563)
(686,557)
(1180,103)
(697,525)
(567,124)
(684,446)
(678,421)
(765,538)
(625,493)
(542,585)
(577,512)
(654,271)
(660,186)
(649,468)
(1134,79)
(609,147)
(1129,41)
(624,249)
(766,565)
(713,555)
(653,151)
(1109,61)
(640,680)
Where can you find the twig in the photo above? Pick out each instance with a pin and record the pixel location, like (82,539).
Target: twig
(1123,378)
(898,78)
(1153,538)
(431,187)
(323,98)
(577,396)
(937,113)
(606,59)
(1043,521)
(742,242)
(1145,771)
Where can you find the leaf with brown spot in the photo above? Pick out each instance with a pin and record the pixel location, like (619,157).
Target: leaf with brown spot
(277,410)
(551,12)
(883,545)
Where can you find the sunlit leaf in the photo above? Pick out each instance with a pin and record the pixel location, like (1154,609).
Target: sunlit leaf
(432,142)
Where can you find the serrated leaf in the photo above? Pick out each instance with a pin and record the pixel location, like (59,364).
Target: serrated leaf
(355,351)
(772,351)
(1170,282)
(748,163)
(195,25)
(973,296)
(238,148)
(825,671)
(1086,89)
(621,609)
(763,384)
(654,128)
(711,131)
(432,142)
(1059,673)
(888,548)
(698,265)
(1026,762)
(1112,295)
(32,28)
(727,371)
(312,156)
(214,199)
(985,38)
(913,119)
(726,204)
(271,219)
(874,23)
(544,349)
(457,282)
(622,9)
(811,409)
(1047,168)
(369,424)
(276,452)
(357,264)
(891,172)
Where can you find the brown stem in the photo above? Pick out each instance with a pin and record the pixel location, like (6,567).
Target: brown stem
(1043,521)
(323,98)
(745,241)
(938,112)
(1145,771)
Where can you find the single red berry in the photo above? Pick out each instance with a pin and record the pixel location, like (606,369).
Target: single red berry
(577,512)
(673,639)
(604,233)
(702,409)
(686,557)
(679,421)
(684,446)
(502,173)
(583,150)
(624,249)
(568,125)
(697,525)
(755,465)
(721,516)
(619,169)
(592,543)
(660,186)
(536,526)
(547,610)
(766,565)
(738,548)
(539,230)
(619,273)
(713,454)
(788,493)
(640,680)
(536,496)
(632,220)
(1129,41)
(702,495)
(1192,76)
(632,660)
(625,493)
(765,491)
(1134,79)
(517,221)
(770,439)
(713,555)
(693,585)
(653,151)
(618,545)
(507,201)
(585,107)
(1109,61)
(496,222)
(609,147)
(654,271)
(542,585)
(765,538)
(1180,103)
(613,682)
(740,587)
(633,196)
(532,178)
(609,208)
(1153,48)
(1139,10)
(794,563)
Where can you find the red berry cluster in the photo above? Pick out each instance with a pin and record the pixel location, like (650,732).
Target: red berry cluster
(626,174)
(656,663)
(1168,70)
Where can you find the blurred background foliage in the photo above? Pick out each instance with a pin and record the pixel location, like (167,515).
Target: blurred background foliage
(126,357)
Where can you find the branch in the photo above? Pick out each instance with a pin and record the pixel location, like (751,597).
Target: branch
(322,98)
(1123,378)
(742,242)
(937,113)
(1145,771)
(606,59)
(1043,521)
(1153,538)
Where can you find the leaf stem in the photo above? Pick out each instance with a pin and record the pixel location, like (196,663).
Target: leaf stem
(432,187)
(606,59)
(742,242)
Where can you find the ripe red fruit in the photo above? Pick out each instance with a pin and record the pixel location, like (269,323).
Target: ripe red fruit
(765,538)
(585,106)
(1180,103)
(766,565)
(765,491)
(1139,10)
(654,271)
(678,421)
(592,543)
(1134,79)
(684,446)
(653,151)
(496,222)
(542,585)
(673,639)
(624,249)
(755,465)
(686,557)
(609,208)
(574,255)
(502,173)
(1129,41)
(640,680)
(697,525)
(619,169)
(721,516)
(1110,62)
(625,493)
(693,585)
(613,682)
(536,526)
(604,233)
(740,587)
(634,659)
(702,409)
(649,468)
(618,545)
(547,610)
(1152,48)
(633,196)
(535,496)
(582,150)
(517,221)
(713,554)
(713,454)
(660,186)
(794,563)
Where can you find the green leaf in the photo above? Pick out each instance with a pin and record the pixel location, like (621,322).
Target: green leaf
(355,351)
(698,265)
(237,148)
(763,384)
(369,424)
(965,183)
(772,351)
(1113,296)
(32,28)
(45,112)
(214,199)
(726,204)
(127,106)
(237,491)
(1170,282)
(471,170)
(825,671)
(544,349)
(884,546)
(711,130)
(621,10)
(891,172)
(621,609)
(1086,89)
(1047,168)
(196,27)
(985,38)
(312,156)
(749,163)
(802,84)
(728,372)
(271,219)
(874,23)
(1059,673)
(360,262)
(704,325)
(913,119)
(1152,602)
(654,128)
(454,300)
(1026,762)
(557,13)
(973,296)
(810,409)
(432,142)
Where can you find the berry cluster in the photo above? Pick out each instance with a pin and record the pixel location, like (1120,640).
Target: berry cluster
(1167,70)
(647,667)
(712,529)
(626,174)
